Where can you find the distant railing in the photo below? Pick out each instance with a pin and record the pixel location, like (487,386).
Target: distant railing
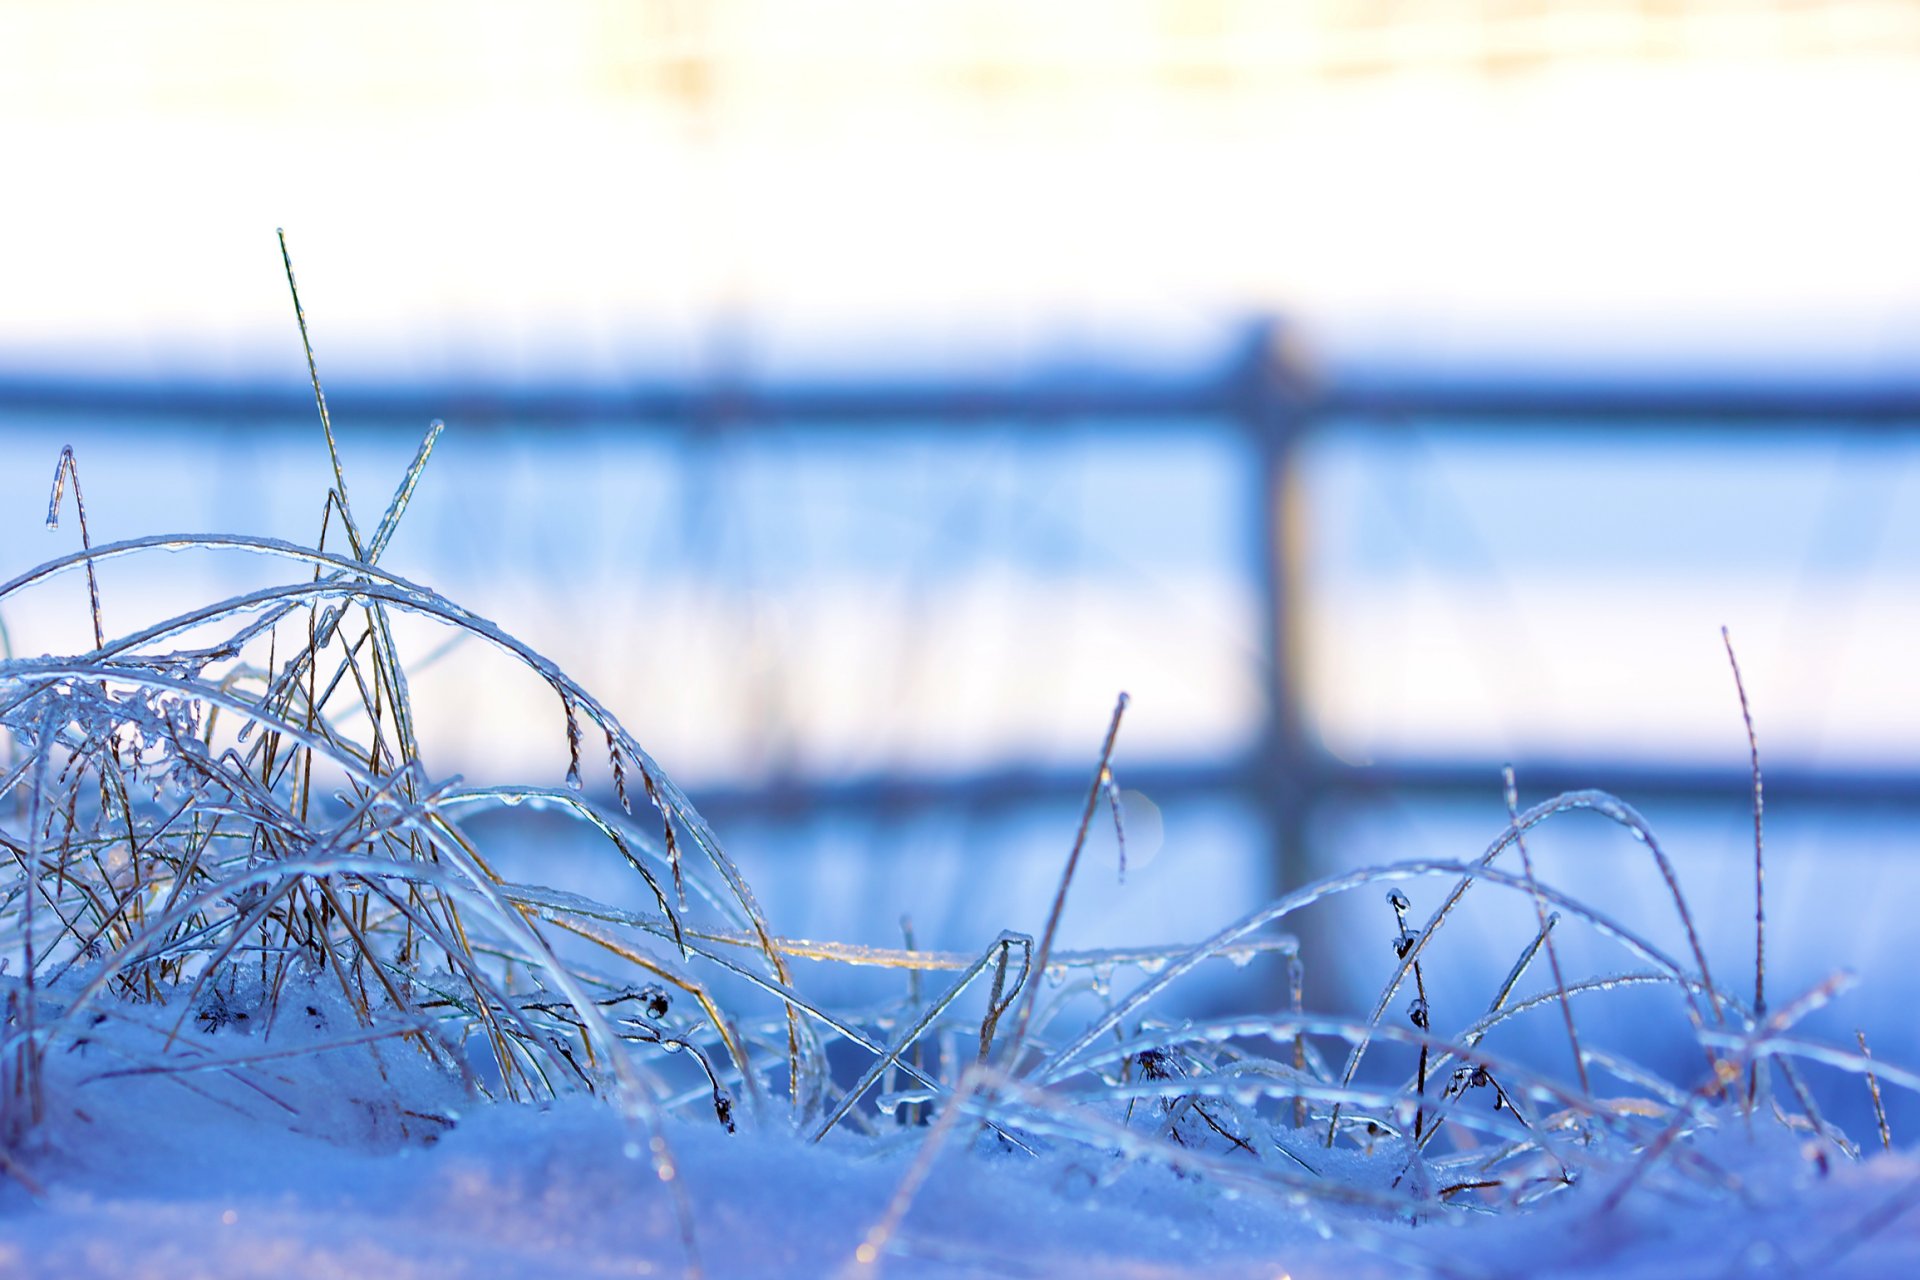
(1255,394)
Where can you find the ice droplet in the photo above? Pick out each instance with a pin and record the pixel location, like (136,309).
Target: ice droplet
(573,777)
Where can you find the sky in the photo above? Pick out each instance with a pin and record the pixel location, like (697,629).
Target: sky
(591,189)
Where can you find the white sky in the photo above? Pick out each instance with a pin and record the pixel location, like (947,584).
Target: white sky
(581,188)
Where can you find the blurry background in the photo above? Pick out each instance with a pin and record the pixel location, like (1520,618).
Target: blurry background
(860,395)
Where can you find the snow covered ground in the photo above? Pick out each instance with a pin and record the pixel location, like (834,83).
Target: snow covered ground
(142,1178)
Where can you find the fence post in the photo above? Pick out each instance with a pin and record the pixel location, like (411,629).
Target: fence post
(1274,414)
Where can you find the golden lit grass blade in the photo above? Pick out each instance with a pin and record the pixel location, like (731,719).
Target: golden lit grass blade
(62,470)
(1759,842)
(579,807)
(910,1035)
(1873,1087)
(402,496)
(320,401)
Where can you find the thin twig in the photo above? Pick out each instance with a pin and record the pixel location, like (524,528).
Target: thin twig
(1101,777)
(320,401)
(1759,843)
(1420,1015)
(1873,1087)
(1540,909)
(63,469)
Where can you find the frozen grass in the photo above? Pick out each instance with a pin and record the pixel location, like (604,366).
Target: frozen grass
(227,865)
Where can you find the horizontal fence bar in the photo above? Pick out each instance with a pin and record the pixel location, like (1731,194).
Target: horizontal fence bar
(1789,788)
(1489,407)
(1627,404)
(1219,389)
(1235,391)
(671,407)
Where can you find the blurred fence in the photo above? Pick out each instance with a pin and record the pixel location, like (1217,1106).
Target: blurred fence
(1260,399)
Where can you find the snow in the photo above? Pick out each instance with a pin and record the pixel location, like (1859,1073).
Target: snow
(317,1164)
(146,1181)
